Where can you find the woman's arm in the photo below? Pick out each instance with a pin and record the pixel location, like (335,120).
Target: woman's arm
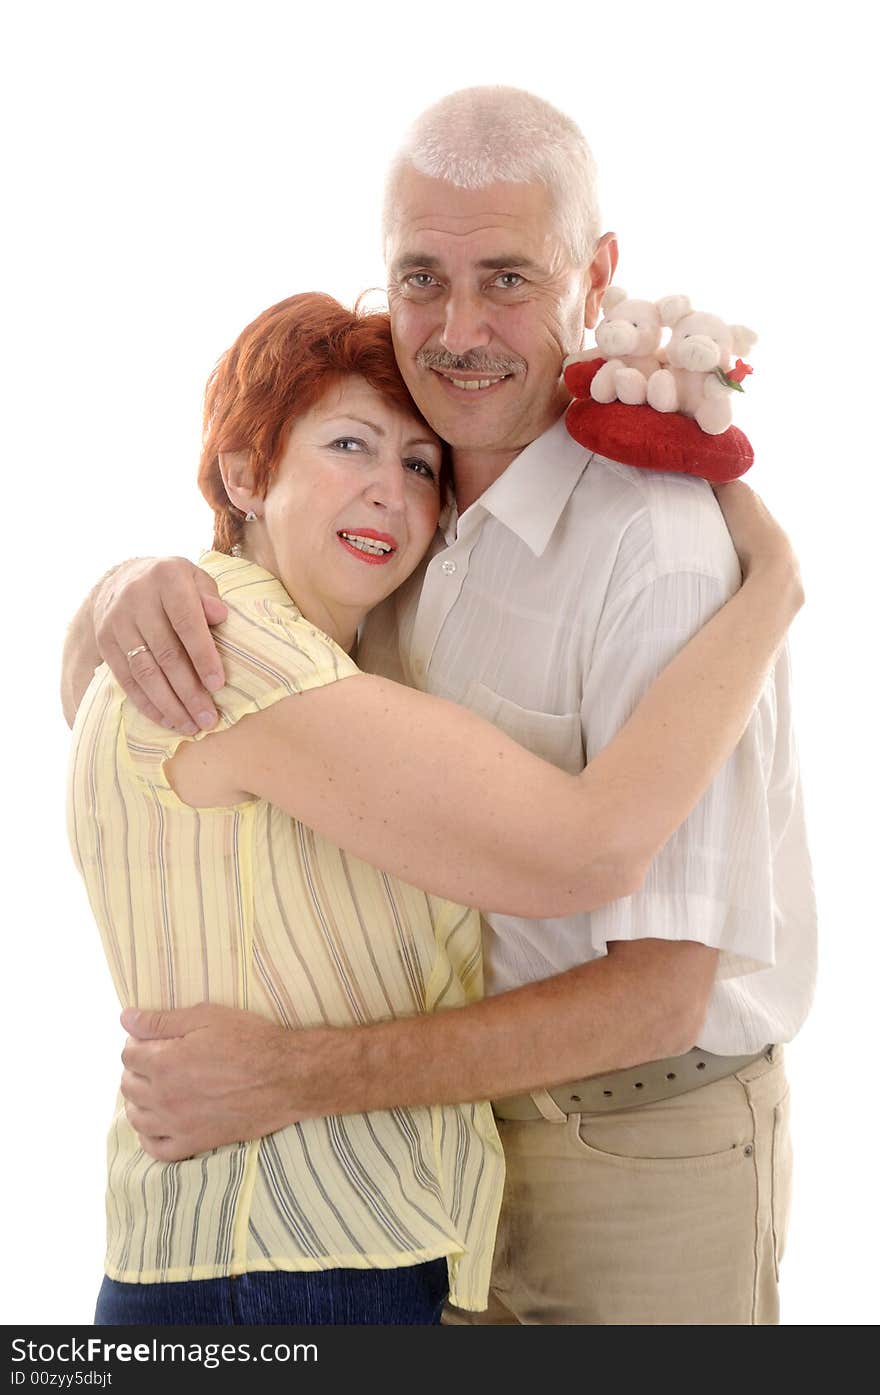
(431,793)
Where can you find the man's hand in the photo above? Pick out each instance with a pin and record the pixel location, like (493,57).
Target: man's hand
(199,1077)
(163,608)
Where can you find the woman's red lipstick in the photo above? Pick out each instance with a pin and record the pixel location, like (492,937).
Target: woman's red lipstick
(380,547)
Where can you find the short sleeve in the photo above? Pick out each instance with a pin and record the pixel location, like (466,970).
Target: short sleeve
(269,652)
(712,881)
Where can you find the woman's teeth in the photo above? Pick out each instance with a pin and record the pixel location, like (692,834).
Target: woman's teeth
(378,549)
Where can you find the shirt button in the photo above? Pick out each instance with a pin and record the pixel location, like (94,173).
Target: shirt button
(447,567)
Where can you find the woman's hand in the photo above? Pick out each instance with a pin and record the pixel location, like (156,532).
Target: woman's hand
(151,622)
(761,544)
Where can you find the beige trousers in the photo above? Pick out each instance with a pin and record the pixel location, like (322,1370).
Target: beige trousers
(666,1214)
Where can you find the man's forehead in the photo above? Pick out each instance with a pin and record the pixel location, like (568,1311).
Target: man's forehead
(435,217)
(433,254)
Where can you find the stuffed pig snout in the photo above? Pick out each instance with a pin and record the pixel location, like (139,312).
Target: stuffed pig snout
(617,337)
(695,352)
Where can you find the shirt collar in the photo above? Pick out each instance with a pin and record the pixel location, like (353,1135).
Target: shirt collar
(529,498)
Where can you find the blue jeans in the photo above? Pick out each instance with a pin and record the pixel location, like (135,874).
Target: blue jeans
(410,1296)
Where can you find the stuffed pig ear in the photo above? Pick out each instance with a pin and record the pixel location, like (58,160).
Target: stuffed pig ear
(673,308)
(613,296)
(743,338)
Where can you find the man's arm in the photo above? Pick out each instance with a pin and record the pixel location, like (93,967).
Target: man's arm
(233,1075)
(166,605)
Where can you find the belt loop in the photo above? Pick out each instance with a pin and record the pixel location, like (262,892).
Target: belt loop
(548,1108)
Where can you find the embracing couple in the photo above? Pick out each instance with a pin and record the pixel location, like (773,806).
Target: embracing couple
(456,662)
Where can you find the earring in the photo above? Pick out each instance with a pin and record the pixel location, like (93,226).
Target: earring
(250,516)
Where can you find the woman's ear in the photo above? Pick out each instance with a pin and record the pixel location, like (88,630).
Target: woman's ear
(238,480)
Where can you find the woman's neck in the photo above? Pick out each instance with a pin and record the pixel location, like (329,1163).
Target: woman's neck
(339,622)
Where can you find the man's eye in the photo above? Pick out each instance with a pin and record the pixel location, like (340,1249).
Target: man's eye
(421,280)
(422,467)
(508,280)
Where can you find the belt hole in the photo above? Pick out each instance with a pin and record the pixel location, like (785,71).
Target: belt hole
(638,1085)
(671,1075)
(701,1065)
(575,1099)
(607,1094)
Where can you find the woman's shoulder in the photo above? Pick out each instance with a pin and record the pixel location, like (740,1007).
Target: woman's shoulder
(265,642)
(269,652)
(243,583)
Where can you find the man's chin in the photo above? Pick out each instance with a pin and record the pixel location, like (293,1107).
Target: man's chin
(473,436)
(469,425)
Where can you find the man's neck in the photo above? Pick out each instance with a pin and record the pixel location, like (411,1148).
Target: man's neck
(475,470)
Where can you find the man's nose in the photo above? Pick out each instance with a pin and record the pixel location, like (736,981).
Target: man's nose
(464,325)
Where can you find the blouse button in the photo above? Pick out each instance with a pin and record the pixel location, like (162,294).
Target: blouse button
(447,567)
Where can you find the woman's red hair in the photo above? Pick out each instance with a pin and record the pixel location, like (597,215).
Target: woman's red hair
(280,367)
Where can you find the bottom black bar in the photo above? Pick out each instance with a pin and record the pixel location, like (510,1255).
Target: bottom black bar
(191,1359)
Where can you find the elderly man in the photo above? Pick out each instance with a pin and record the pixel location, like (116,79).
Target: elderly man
(654,1190)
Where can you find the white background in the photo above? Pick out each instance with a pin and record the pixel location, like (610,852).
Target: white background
(175,168)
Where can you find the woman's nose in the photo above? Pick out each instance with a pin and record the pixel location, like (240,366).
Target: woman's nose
(386,486)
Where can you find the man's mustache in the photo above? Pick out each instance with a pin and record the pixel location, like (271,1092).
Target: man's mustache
(491,365)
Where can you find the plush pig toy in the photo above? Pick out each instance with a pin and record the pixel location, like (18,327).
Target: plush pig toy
(683,422)
(697,378)
(628,339)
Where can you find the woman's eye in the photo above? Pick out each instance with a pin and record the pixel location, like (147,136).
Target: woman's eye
(509,280)
(423,468)
(347,443)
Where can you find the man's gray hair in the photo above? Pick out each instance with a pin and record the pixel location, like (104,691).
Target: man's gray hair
(484,135)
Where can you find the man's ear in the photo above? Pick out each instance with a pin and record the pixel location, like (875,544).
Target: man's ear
(238,480)
(600,272)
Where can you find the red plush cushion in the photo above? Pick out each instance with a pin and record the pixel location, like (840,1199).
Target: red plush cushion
(651,440)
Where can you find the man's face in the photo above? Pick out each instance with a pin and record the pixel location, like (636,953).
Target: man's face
(485,305)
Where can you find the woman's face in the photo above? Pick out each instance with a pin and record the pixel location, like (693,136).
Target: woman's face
(352,508)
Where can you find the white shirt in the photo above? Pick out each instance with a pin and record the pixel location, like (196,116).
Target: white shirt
(552,605)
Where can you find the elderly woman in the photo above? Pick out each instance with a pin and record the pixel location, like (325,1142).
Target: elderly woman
(272,863)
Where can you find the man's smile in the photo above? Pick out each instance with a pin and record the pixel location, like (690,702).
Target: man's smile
(460,384)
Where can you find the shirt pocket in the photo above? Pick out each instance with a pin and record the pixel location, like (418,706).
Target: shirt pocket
(555,738)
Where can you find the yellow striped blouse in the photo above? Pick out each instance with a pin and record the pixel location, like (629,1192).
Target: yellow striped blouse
(247,907)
